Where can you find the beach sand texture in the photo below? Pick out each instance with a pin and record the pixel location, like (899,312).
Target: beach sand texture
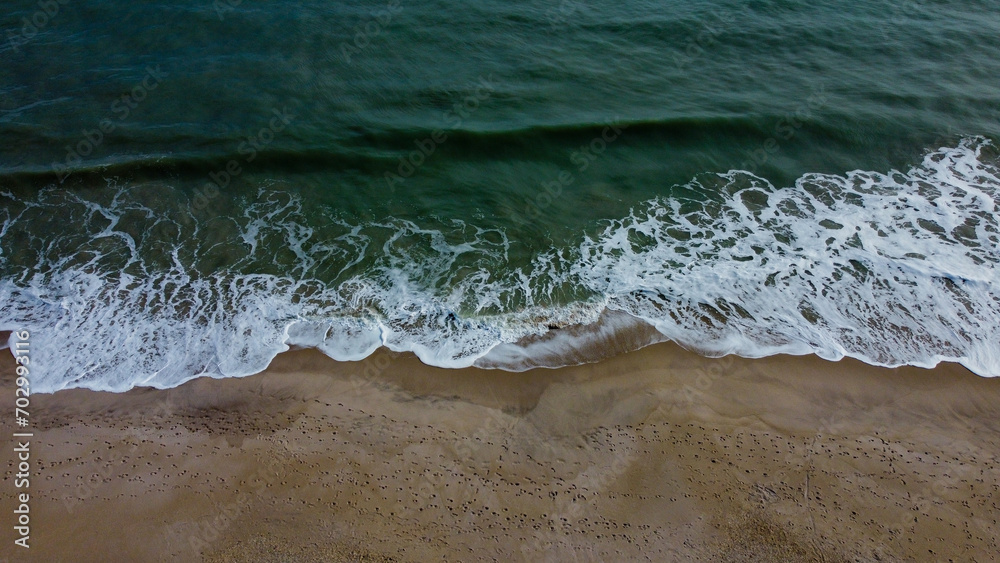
(656,455)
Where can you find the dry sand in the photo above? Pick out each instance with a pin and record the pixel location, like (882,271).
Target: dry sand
(656,455)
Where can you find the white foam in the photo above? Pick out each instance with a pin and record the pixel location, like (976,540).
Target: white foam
(613,333)
(892,269)
(837,266)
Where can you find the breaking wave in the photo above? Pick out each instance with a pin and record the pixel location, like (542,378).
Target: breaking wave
(890,268)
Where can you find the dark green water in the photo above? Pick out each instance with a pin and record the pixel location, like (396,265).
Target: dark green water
(187,187)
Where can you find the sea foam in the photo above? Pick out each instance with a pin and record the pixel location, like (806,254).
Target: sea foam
(891,268)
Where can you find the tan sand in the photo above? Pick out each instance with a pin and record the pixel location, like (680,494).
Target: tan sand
(657,455)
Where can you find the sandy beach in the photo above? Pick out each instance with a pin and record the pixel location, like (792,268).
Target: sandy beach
(655,455)
(495,281)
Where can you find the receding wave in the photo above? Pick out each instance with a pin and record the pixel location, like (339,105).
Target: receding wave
(891,268)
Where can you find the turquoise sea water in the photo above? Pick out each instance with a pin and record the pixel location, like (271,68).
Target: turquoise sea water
(189,187)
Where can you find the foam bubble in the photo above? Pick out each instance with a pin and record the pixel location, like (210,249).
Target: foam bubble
(895,268)
(892,269)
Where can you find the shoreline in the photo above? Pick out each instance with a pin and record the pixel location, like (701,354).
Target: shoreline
(570,347)
(658,454)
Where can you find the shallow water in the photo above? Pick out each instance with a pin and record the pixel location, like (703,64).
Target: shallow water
(188,188)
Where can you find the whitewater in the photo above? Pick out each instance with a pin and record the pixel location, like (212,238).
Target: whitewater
(892,268)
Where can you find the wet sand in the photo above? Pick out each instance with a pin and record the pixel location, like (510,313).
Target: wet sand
(656,455)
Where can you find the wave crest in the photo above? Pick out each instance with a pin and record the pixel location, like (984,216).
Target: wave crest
(896,268)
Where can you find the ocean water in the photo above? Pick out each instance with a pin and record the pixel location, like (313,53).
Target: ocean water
(189,188)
